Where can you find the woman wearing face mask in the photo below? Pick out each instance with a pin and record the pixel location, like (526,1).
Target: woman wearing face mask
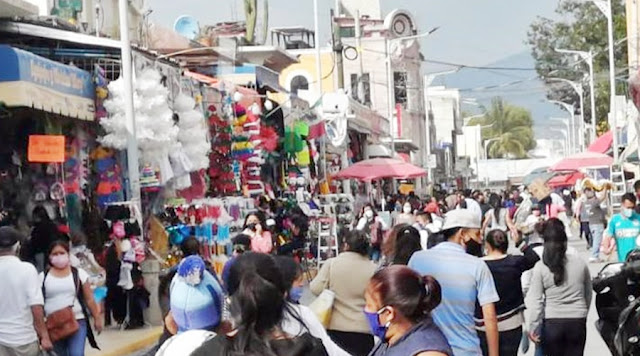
(590,208)
(254,226)
(374,227)
(65,286)
(406,217)
(399,304)
(299,318)
(347,276)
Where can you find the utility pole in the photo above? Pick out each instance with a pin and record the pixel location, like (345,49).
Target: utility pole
(337,50)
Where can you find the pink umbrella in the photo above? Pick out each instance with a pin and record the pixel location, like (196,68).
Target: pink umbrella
(583,160)
(602,144)
(379,168)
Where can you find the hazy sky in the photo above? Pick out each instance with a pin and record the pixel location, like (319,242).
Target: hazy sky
(471,31)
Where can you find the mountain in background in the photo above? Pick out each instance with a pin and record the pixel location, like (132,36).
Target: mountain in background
(518,87)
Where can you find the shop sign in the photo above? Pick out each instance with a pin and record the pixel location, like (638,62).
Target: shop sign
(19,65)
(46,149)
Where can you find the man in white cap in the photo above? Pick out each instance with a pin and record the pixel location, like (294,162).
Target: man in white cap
(22,328)
(464,279)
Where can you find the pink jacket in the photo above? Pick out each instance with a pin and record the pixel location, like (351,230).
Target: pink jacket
(262,244)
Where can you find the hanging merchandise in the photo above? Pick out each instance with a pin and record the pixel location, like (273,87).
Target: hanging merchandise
(220,162)
(101,92)
(192,134)
(156,133)
(109,187)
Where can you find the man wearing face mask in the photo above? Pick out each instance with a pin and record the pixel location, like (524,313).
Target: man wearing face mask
(465,279)
(624,228)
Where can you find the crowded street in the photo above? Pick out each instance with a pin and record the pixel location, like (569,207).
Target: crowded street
(319,178)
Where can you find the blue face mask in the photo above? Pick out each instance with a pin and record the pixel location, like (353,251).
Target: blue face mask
(374,324)
(627,212)
(295,294)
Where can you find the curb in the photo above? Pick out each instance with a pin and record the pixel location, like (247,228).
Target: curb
(143,342)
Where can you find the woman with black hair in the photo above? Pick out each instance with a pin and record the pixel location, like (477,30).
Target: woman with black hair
(507,272)
(299,317)
(44,233)
(498,217)
(258,308)
(255,226)
(347,276)
(299,230)
(398,308)
(561,289)
(402,242)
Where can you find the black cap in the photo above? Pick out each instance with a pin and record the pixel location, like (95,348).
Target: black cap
(9,236)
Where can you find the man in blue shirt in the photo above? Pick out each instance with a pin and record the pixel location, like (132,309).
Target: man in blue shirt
(624,227)
(464,279)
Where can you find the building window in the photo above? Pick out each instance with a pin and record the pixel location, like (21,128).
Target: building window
(366,88)
(299,82)
(347,32)
(400,87)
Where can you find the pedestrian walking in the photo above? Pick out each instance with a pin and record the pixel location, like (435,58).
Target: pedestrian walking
(498,217)
(399,305)
(347,276)
(43,234)
(374,227)
(561,289)
(623,228)
(299,318)
(255,226)
(465,280)
(257,292)
(22,327)
(507,271)
(591,209)
(68,301)
(403,241)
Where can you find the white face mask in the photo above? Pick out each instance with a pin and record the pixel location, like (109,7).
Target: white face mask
(407,209)
(368,214)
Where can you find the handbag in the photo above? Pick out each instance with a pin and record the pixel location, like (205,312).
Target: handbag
(61,324)
(322,306)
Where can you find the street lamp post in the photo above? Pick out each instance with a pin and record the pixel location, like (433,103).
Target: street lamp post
(565,121)
(572,110)
(566,138)
(579,133)
(486,147)
(588,58)
(605,7)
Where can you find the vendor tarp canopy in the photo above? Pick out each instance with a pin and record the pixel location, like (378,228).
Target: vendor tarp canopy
(541,173)
(565,180)
(379,168)
(602,144)
(28,80)
(583,160)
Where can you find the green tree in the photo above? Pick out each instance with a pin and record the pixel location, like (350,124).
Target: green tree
(579,25)
(509,127)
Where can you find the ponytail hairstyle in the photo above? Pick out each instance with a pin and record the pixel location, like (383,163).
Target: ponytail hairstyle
(498,240)
(496,203)
(555,249)
(412,295)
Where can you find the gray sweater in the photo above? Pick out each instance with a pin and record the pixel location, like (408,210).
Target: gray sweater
(570,300)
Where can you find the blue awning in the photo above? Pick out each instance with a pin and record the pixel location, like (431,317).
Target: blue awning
(28,80)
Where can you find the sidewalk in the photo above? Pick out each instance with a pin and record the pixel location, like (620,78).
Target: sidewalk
(114,342)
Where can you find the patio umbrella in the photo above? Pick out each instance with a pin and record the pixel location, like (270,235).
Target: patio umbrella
(583,160)
(379,168)
(602,144)
(565,180)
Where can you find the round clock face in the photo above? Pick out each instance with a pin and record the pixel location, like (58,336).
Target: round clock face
(350,53)
(399,26)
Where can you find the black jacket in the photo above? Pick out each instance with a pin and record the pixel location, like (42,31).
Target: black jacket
(303,345)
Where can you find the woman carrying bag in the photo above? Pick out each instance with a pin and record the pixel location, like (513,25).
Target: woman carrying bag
(67,296)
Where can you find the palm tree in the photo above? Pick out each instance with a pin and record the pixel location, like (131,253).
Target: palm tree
(509,127)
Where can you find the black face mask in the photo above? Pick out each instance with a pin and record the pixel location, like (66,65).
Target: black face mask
(474,248)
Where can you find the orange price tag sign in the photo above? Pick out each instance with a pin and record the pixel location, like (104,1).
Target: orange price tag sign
(46,149)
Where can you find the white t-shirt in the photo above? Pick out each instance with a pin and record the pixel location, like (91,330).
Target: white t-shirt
(292,326)
(20,291)
(61,293)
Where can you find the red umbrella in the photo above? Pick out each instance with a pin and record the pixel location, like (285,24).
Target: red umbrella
(583,160)
(379,168)
(565,180)
(602,144)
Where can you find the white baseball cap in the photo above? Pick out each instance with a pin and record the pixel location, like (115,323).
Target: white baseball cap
(461,218)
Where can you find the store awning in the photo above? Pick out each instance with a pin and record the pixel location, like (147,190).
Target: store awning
(28,80)
(602,144)
(250,75)
(565,180)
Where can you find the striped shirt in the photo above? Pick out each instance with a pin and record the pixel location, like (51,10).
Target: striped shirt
(464,279)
